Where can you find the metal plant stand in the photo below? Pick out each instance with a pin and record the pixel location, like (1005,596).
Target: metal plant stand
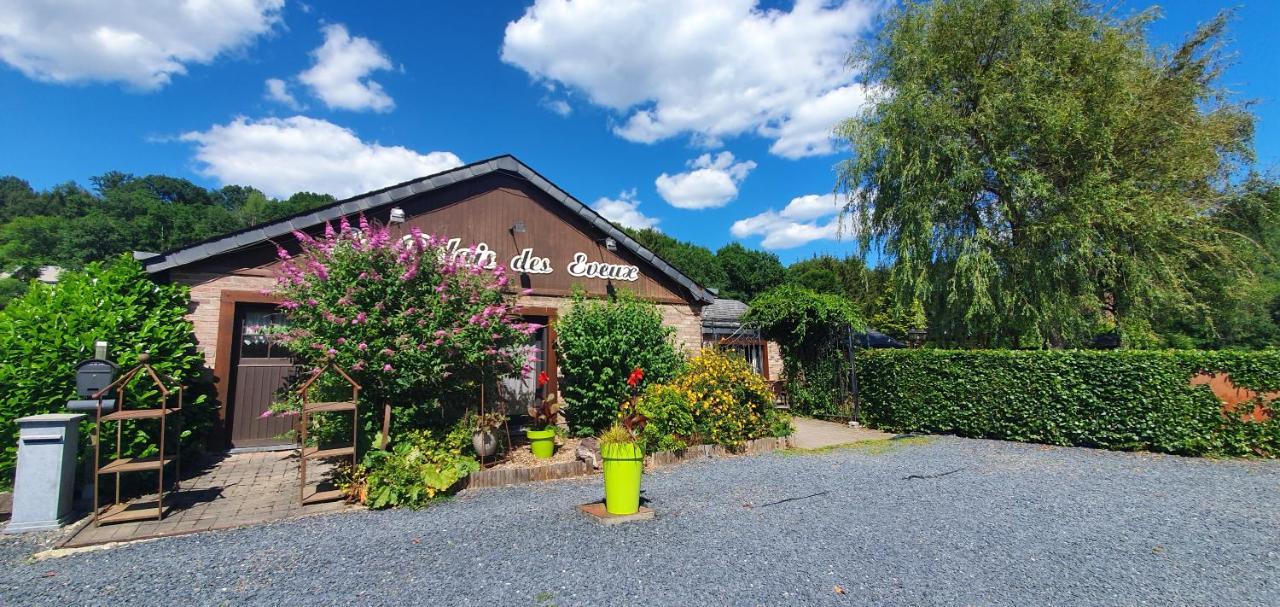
(118,512)
(308,453)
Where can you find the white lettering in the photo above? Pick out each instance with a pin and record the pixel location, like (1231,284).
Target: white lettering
(481,255)
(598,269)
(528,263)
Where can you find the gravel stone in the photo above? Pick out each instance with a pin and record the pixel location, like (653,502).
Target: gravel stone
(1013,524)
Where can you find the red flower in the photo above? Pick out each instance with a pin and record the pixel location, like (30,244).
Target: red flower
(543,379)
(636,376)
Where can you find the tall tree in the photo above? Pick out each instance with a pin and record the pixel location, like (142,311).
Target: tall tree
(1035,172)
(748,272)
(696,261)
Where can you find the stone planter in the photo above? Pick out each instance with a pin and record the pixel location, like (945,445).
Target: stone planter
(485,442)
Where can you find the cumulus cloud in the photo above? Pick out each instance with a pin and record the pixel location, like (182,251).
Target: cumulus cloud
(624,210)
(711,182)
(797,224)
(281,156)
(278,91)
(558,106)
(707,69)
(143,43)
(340,76)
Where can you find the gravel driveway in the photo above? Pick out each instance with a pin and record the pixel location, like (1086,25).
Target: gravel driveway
(1010,524)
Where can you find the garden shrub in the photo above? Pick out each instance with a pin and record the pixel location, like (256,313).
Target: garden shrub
(811,330)
(1121,399)
(419,467)
(416,325)
(716,399)
(44,333)
(598,344)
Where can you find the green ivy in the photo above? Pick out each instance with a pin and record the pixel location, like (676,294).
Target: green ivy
(808,328)
(598,343)
(1123,399)
(48,330)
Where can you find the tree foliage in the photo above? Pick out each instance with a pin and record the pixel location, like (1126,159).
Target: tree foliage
(697,262)
(748,272)
(44,333)
(1047,179)
(70,226)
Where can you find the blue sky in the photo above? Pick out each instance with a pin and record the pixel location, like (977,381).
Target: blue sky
(708,119)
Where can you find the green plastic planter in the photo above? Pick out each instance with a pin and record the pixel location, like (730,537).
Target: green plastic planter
(623,467)
(542,442)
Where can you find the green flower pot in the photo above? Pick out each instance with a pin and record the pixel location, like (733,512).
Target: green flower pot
(542,442)
(623,466)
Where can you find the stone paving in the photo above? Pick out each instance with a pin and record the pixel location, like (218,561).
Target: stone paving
(229,491)
(816,433)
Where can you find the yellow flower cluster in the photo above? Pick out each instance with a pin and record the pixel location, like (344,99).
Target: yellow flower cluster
(729,402)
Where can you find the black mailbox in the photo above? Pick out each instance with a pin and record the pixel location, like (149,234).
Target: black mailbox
(92,376)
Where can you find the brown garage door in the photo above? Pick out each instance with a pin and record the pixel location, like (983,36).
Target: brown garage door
(262,368)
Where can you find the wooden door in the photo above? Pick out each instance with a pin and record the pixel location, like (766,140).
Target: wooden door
(516,394)
(261,369)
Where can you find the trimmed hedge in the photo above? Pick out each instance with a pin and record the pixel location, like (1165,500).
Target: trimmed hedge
(1123,400)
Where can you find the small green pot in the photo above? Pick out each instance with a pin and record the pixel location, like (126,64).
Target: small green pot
(542,442)
(623,466)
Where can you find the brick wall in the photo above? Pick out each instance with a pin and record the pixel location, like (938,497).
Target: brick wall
(683,317)
(206,294)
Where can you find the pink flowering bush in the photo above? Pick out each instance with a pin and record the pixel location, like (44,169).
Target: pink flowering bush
(414,325)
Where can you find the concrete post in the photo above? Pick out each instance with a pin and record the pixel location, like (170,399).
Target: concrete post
(45,480)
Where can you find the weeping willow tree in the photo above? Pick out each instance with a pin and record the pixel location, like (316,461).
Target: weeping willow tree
(1036,173)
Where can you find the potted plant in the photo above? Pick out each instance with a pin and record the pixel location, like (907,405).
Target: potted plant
(485,435)
(542,428)
(623,459)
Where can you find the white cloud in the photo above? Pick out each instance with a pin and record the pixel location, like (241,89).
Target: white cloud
(143,43)
(624,210)
(340,76)
(796,224)
(559,106)
(712,182)
(278,91)
(708,69)
(281,156)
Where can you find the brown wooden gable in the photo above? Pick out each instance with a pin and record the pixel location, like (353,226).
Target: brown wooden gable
(490,209)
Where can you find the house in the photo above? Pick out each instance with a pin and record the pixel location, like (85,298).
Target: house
(546,237)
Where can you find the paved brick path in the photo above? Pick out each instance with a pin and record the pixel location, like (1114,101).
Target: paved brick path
(815,434)
(232,491)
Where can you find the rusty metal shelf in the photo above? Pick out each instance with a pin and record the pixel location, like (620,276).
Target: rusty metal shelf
(317,453)
(126,513)
(137,414)
(316,497)
(345,405)
(136,464)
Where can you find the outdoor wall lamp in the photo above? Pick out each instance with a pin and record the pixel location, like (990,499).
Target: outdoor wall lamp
(611,244)
(518,228)
(397,215)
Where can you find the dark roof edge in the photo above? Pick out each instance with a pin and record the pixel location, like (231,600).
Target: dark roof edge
(284,226)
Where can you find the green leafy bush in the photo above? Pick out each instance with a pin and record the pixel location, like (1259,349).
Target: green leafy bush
(44,333)
(1123,399)
(810,330)
(717,398)
(420,467)
(599,343)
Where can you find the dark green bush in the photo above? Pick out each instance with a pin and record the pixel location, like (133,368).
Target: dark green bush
(48,330)
(1124,400)
(598,343)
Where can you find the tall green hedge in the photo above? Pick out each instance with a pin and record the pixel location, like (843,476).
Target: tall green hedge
(1124,400)
(47,331)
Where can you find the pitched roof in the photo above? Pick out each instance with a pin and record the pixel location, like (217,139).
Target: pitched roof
(506,163)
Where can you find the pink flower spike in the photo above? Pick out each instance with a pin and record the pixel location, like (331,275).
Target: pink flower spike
(265,414)
(387,367)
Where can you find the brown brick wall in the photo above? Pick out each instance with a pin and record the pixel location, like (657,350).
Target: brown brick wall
(206,293)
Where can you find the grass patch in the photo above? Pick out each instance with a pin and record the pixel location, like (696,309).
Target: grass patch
(878,446)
